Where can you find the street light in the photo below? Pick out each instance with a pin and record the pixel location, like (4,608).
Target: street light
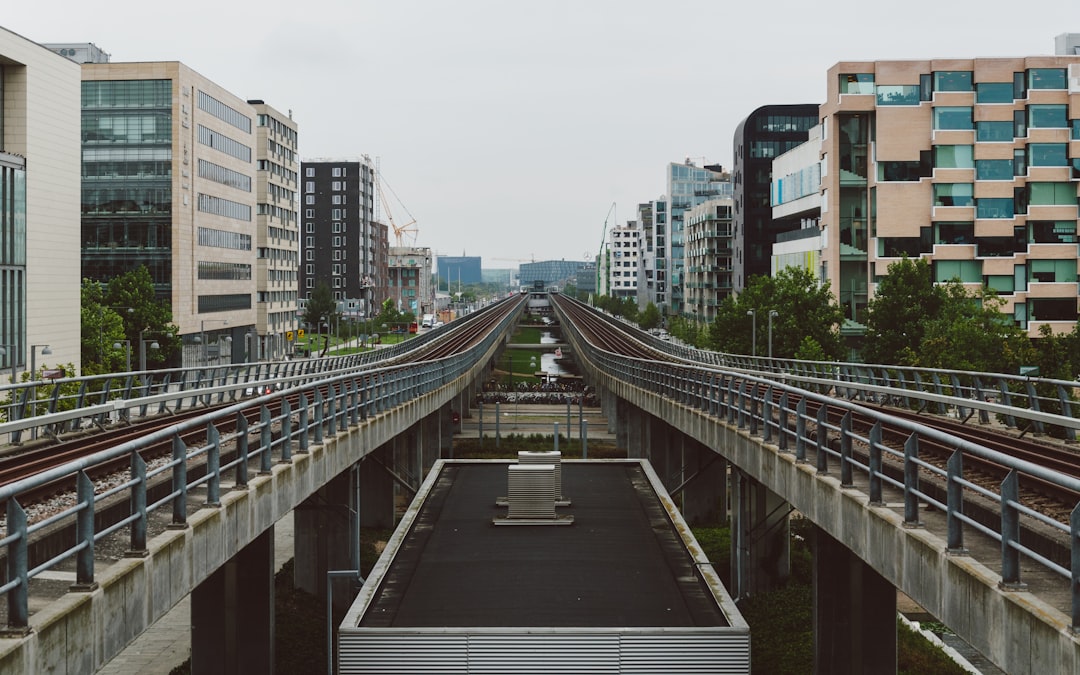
(753,331)
(127,352)
(772,313)
(142,347)
(202,336)
(45,351)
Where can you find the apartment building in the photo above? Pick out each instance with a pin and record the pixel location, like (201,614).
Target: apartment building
(619,262)
(39,207)
(342,245)
(687,186)
(970,163)
(277,230)
(709,252)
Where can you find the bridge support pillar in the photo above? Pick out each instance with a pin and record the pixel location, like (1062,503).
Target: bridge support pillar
(637,432)
(624,413)
(760,537)
(432,429)
(854,612)
(704,475)
(326,531)
(232,613)
(377,489)
(659,451)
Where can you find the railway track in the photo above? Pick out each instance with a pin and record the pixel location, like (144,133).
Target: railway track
(32,460)
(1051,499)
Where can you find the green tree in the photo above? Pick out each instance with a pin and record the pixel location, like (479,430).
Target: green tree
(127,308)
(906,298)
(971,333)
(650,317)
(804,308)
(320,309)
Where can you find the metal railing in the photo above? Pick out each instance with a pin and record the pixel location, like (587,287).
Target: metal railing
(352,398)
(1026,403)
(729,397)
(54,407)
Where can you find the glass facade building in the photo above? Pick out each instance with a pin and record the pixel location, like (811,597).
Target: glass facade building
(688,186)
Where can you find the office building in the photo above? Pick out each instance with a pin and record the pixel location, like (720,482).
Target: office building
(170,182)
(652,261)
(454,272)
(551,273)
(969,163)
(39,207)
(765,134)
(796,199)
(342,246)
(277,231)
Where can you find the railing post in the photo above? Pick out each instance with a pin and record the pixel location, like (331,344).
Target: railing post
(266,441)
(84,534)
(800,431)
(822,439)
(303,422)
(911,481)
(343,405)
(331,409)
(1074,522)
(18,598)
(1033,399)
(1010,534)
(767,415)
(1066,410)
(955,504)
(782,422)
(179,483)
(213,466)
(317,424)
(138,508)
(753,409)
(241,450)
(846,469)
(286,431)
(875,465)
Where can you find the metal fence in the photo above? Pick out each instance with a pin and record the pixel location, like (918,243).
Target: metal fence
(351,398)
(747,401)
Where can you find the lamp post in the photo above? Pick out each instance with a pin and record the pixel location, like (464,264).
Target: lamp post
(753,331)
(772,313)
(101,327)
(45,351)
(143,342)
(127,352)
(202,336)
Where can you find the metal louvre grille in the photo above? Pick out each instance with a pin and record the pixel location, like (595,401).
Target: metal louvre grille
(531,490)
(552,457)
(560,653)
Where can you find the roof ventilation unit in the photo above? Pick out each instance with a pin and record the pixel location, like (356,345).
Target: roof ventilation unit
(531,496)
(552,457)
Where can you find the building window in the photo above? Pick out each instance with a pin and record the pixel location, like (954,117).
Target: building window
(1046,78)
(967,271)
(1048,154)
(994,131)
(857,83)
(1051,194)
(953,194)
(994,92)
(953,80)
(309,186)
(897,94)
(309,172)
(337,172)
(1047,117)
(994,169)
(994,207)
(953,157)
(952,118)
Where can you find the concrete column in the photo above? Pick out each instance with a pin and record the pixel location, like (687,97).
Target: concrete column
(760,537)
(637,434)
(430,438)
(659,444)
(854,612)
(623,415)
(325,535)
(377,489)
(232,613)
(704,497)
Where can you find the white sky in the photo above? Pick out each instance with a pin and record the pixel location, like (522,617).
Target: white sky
(508,128)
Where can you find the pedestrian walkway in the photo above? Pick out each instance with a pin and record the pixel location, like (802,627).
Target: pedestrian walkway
(167,643)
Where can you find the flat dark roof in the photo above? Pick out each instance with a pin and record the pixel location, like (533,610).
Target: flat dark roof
(621,564)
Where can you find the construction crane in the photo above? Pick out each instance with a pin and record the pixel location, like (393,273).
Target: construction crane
(400,231)
(602,260)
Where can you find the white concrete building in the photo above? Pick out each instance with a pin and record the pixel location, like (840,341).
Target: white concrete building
(39,196)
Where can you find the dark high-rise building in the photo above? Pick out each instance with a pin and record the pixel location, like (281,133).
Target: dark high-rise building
(765,134)
(341,244)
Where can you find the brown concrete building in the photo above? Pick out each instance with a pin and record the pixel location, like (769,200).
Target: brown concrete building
(970,163)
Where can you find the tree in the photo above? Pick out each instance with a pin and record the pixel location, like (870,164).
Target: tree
(320,309)
(127,308)
(804,308)
(971,333)
(650,317)
(906,299)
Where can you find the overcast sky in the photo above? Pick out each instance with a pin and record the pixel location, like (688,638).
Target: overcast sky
(509,128)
